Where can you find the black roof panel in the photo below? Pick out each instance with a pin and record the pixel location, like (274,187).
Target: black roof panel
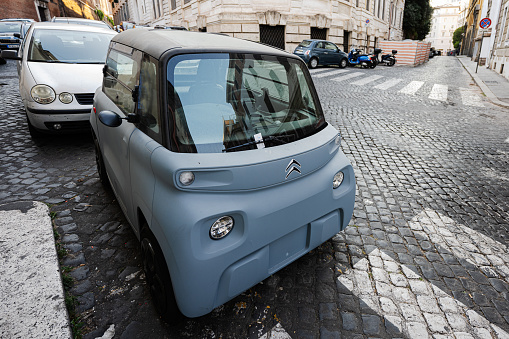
(157,41)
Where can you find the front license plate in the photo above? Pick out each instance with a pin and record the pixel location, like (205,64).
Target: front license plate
(12,46)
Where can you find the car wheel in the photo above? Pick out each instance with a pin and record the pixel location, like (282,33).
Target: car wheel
(158,277)
(34,133)
(99,161)
(343,63)
(313,63)
(2,61)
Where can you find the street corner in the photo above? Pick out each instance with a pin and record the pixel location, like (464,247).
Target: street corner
(33,303)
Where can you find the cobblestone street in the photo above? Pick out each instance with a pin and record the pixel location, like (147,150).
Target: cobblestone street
(425,255)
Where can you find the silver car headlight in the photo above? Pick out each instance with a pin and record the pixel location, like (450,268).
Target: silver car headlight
(43,94)
(338,179)
(65,97)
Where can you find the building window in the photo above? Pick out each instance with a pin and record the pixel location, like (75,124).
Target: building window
(273,35)
(318,33)
(367,5)
(173,4)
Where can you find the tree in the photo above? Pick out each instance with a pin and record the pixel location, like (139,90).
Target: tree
(457,36)
(417,19)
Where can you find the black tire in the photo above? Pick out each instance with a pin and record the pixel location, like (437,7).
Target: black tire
(158,278)
(313,62)
(99,162)
(391,62)
(372,65)
(343,63)
(2,61)
(34,133)
(364,64)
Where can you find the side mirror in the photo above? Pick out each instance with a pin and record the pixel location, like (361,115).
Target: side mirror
(110,118)
(10,54)
(105,70)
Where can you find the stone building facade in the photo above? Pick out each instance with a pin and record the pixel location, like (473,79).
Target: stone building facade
(444,22)
(500,54)
(281,23)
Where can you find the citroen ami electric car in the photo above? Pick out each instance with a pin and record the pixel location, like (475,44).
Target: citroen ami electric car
(221,159)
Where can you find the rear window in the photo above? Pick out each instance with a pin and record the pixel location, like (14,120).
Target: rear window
(234,102)
(305,43)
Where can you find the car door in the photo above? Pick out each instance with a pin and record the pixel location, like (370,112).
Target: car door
(332,53)
(320,51)
(146,137)
(120,82)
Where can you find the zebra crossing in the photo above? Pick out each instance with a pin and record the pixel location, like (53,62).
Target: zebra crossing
(438,92)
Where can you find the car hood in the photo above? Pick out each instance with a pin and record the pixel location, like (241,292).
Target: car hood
(73,78)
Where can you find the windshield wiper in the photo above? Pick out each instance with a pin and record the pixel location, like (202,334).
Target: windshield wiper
(282,139)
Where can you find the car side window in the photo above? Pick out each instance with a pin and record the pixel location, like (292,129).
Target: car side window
(148,106)
(331,47)
(121,78)
(319,45)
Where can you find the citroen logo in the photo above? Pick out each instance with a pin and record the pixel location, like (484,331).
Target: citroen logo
(293,166)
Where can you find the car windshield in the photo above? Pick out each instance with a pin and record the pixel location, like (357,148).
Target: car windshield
(234,102)
(10,27)
(305,43)
(69,46)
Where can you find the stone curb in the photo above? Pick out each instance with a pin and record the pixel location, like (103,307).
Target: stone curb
(33,302)
(489,94)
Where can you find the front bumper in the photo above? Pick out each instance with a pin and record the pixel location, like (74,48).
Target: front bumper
(274,226)
(68,120)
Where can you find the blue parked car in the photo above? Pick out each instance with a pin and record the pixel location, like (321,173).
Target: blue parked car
(220,157)
(320,52)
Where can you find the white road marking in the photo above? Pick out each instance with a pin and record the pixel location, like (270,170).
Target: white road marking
(367,80)
(438,92)
(336,72)
(388,84)
(507,140)
(452,238)
(348,76)
(277,332)
(320,70)
(470,98)
(412,87)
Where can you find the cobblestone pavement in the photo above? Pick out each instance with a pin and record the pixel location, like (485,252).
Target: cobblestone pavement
(425,254)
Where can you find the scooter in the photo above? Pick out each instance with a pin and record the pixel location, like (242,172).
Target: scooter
(387,59)
(356,58)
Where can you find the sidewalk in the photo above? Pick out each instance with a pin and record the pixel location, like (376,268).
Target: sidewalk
(30,285)
(494,85)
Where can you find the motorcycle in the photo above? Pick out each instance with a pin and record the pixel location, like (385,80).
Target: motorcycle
(386,59)
(364,60)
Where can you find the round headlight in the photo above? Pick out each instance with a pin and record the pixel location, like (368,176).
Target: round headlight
(338,179)
(65,97)
(221,228)
(43,94)
(186,178)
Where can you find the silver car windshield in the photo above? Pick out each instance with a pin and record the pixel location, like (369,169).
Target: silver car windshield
(234,102)
(69,46)
(10,27)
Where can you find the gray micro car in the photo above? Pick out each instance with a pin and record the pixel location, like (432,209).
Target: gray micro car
(221,159)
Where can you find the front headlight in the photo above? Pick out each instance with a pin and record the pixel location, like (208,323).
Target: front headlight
(43,94)
(65,97)
(337,180)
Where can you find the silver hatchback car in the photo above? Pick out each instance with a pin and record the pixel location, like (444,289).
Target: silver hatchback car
(60,68)
(221,159)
